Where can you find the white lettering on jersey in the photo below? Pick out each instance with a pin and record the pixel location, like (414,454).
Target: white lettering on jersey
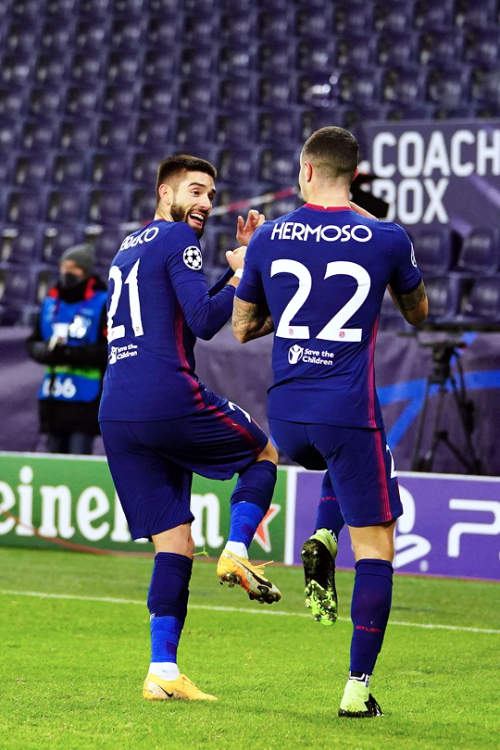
(137,239)
(294,230)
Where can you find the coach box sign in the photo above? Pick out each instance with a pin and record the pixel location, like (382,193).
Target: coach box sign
(450,525)
(438,173)
(70,502)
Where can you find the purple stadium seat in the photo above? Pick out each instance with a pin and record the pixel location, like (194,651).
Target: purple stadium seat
(482,46)
(93,8)
(83,101)
(154,132)
(433,249)
(25,207)
(276,57)
(143,205)
(353,17)
(116,134)
(21,244)
(237,93)
(480,252)
(360,85)
(6,169)
(66,206)
(464,112)
(198,61)
(57,239)
(486,86)
(444,294)
(238,28)
(434,15)
(26,10)
(201,28)
(405,85)
(121,99)
(17,70)
(393,15)
(88,67)
(356,50)
(170,7)
(202,6)
(110,168)
(158,100)
(195,129)
(235,129)
(278,128)
(145,166)
(163,32)
(236,59)
(315,56)
(129,35)
(314,119)
(131,8)
(449,87)
(423,111)
(476,13)
(106,245)
(92,35)
(319,90)
(16,287)
(22,38)
(108,206)
(280,167)
(13,102)
(314,24)
(237,166)
(159,65)
(276,26)
(47,102)
(278,92)
(32,170)
(242,6)
(52,69)
(61,9)
(398,48)
(282,207)
(57,37)
(77,135)
(441,47)
(483,305)
(9,134)
(197,95)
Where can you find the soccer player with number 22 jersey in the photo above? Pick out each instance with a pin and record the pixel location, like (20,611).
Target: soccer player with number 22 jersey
(159,422)
(317,277)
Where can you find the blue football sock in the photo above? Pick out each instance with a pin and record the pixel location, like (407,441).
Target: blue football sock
(371,605)
(250,500)
(167,603)
(329,515)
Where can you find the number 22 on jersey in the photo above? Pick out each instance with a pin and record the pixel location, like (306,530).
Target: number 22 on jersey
(334,329)
(115,275)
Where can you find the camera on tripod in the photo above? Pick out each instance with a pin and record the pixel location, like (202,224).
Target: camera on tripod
(441,376)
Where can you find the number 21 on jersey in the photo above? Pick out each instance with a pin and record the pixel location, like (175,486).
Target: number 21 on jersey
(115,275)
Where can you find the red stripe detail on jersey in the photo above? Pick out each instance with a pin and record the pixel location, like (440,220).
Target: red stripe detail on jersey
(181,352)
(235,427)
(327,208)
(371,376)
(382,478)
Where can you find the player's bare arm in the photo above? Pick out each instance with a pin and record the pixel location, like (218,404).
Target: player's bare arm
(251,321)
(413,306)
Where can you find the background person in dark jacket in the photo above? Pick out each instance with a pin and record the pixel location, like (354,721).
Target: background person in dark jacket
(70,338)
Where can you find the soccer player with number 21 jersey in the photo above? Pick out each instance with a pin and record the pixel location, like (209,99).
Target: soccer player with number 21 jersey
(317,277)
(159,422)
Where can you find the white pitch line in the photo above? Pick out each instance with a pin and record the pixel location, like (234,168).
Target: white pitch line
(278,613)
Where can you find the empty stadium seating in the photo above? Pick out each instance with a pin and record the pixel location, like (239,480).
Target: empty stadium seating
(94,93)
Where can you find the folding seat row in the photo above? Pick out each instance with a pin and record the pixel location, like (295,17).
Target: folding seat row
(64,206)
(439,251)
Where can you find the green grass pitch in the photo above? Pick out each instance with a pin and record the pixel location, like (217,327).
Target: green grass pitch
(71,669)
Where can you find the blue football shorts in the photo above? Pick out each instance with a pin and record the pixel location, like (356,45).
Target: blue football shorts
(359,463)
(152,463)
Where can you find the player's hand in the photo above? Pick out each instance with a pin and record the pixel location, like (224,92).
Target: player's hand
(236,258)
(247,228)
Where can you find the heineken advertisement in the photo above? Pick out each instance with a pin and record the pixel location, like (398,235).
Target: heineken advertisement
(450,526)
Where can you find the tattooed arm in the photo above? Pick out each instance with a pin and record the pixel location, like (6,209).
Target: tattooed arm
(414,306)
(251,321)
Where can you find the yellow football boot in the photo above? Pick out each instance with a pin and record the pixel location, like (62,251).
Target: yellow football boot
(233,569)
(156,689)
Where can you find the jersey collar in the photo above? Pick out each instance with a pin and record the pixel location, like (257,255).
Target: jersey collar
(328,208)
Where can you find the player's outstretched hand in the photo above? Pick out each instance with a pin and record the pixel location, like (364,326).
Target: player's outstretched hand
(236,258)
(248,227)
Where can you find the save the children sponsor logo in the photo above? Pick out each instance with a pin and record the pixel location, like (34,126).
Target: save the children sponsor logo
(122,352)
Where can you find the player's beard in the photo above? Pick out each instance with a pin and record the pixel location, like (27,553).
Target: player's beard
(180,213)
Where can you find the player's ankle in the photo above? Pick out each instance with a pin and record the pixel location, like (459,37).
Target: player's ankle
(360,677)
(166,670)
(237,548)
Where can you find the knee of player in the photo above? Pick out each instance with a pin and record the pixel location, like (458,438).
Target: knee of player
(269,453)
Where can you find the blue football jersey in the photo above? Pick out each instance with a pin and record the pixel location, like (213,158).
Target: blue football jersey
(323,274)
(158,304)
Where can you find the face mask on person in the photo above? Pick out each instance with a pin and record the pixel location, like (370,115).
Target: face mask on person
(69,280)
